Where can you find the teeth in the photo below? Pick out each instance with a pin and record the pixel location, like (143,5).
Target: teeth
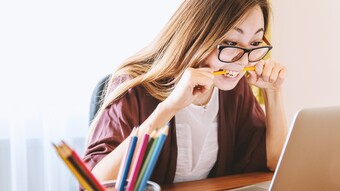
(231,74)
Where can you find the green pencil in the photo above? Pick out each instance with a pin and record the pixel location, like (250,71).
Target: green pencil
(149,151)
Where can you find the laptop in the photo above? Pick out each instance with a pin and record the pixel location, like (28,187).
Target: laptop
(311,156)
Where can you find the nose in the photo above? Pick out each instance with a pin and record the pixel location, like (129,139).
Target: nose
(244,60)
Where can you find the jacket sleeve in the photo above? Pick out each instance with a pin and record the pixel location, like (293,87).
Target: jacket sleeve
(115,125)
(250,145)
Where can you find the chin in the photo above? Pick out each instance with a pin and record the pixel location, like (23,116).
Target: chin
(226,87)
(224,83)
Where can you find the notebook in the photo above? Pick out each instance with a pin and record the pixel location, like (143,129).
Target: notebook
(311,156)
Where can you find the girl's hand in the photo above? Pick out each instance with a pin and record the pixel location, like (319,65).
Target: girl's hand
(192,83)
(268,75)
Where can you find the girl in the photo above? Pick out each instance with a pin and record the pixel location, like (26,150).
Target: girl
(216,125)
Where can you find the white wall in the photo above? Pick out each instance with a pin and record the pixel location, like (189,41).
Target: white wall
(305,35)
(52,53)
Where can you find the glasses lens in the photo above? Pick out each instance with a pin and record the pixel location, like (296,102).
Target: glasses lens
(231,54)
(258,54)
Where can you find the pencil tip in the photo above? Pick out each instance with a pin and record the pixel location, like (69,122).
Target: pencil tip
(135,133)
(166,129)
(154,133)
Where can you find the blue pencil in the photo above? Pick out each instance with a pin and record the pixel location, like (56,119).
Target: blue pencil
(155,154)
(126,163)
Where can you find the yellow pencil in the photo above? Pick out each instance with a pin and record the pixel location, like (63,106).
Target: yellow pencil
(219,72)
(79,177)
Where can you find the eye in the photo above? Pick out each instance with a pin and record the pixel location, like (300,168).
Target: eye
(230,43)
(256,43)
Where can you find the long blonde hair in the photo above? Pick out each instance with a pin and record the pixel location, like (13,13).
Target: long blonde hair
(191,34)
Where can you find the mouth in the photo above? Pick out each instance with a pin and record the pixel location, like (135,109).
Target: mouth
(227,73)
(231,74)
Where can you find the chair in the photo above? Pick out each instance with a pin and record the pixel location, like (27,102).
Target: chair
(96,97)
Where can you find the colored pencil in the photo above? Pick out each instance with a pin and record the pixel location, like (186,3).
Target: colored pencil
(126,163)
(138,162)
(147,155)
(219,72)
(151,160)
(152,138)
(78,168)
(78,163)
(74,171)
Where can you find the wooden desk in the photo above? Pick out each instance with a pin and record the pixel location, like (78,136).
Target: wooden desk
(221,183)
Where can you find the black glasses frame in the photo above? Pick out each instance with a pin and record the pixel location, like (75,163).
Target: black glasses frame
(245,50)
(219,47)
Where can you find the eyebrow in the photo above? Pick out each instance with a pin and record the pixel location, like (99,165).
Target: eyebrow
(242,32)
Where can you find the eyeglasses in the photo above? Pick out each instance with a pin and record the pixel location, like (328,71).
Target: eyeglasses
(230,54)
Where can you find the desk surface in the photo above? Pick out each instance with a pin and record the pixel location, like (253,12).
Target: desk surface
(221,183)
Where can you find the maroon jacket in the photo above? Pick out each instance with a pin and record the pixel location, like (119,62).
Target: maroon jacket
(241,132)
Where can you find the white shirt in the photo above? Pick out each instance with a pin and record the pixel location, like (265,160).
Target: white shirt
(196,131)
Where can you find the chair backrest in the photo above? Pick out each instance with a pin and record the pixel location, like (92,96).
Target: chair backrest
(97,96)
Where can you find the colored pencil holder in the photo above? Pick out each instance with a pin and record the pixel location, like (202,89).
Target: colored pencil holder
(151,186)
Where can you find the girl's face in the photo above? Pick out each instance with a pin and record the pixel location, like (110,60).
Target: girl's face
(248,34)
